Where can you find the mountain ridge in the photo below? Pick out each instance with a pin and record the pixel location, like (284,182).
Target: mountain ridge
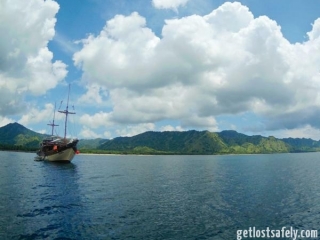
(15,135)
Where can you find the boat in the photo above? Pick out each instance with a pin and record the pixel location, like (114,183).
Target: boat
(56,148)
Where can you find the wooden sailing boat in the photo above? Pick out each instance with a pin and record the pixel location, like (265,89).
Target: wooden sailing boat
(55,148)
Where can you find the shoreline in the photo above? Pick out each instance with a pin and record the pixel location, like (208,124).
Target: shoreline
(228,154)
(173,154)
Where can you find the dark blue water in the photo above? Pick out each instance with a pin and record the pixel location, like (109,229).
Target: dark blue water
(157,197)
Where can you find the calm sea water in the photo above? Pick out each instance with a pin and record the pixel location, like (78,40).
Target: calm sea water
(157,197)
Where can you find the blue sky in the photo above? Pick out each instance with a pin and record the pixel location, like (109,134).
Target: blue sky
(160,65)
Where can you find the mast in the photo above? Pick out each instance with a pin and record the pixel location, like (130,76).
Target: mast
(66,112)
(52,124)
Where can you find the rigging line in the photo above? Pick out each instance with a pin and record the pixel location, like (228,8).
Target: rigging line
(60,104)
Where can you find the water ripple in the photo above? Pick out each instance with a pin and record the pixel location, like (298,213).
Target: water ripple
(157,197)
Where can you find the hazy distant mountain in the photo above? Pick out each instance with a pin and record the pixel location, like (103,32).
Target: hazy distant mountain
(302,144)
(188,142)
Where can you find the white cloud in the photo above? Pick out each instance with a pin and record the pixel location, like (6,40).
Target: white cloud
(107,135)
(133,130)
(120,53)
(229,17)
(154,105)
(315,32)
(42,131)
(302,132)
(43,74)
(169,4)
(87,133)
(97,120)
(226,62)
(170,128)
(95,95)
(35,115)
(26,63)
(200,123)
(4,121)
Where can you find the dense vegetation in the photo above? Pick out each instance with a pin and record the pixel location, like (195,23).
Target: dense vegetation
(205,142)
(195,142)
(5,147)
(15,137)
(18,138)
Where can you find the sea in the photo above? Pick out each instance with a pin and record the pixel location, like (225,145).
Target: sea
(158,197)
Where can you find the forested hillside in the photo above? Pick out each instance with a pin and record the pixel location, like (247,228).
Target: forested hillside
(14,136)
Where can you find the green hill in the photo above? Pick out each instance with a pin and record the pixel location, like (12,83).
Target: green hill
(195,142)
(241,143)
(14,136)
(189,142)
(17,137)
(302,144)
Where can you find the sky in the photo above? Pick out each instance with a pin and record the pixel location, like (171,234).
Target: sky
(162,65)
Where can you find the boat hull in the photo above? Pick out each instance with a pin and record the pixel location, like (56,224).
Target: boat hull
(57,149)
(62,156)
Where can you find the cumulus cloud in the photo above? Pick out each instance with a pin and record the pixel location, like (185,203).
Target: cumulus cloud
(26,66)
(4,121)
(301,132)
(95,95)
(126,45)
(226,62)
(169,4)
(87,133)
(170,128)
(315,32)
(97,120)
(36,115)
(133,130)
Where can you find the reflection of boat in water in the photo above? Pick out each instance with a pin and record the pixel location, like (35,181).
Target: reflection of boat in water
(55,148)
